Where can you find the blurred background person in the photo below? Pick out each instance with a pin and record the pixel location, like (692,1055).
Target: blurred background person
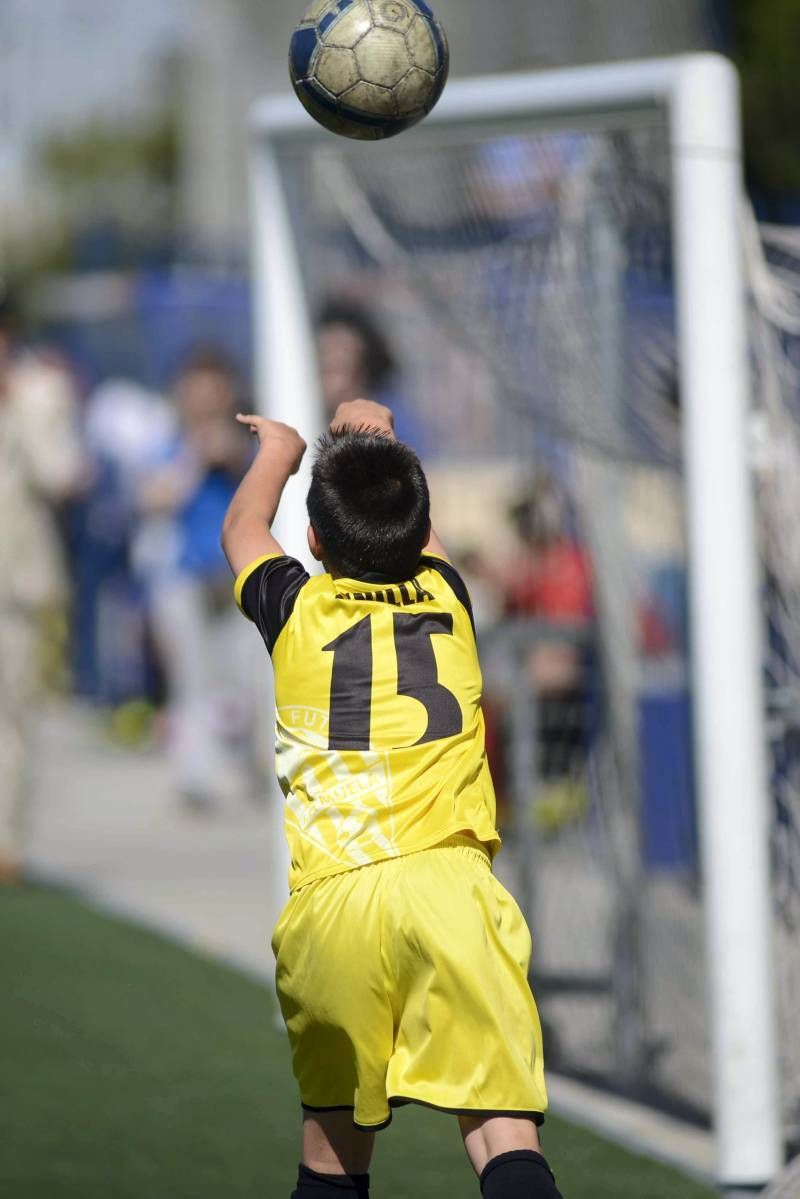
(127,429)
(356,361)
(41,466)
(550,581)
(201,645)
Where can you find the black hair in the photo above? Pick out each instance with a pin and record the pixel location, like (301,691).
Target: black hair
(540,515)
(369,505)
(378,363)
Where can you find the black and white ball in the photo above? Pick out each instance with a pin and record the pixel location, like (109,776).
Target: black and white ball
(369,69)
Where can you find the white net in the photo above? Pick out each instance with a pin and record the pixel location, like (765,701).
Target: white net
(524,280)
(774,268)
(788,1185)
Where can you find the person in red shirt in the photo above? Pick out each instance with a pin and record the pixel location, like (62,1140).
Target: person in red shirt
(551,578)
(550,581)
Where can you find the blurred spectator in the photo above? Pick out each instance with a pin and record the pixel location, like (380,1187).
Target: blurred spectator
(551,581)
(551,577)
(356,362)
(481,580)
(201,640)
(41,465)
(127,429)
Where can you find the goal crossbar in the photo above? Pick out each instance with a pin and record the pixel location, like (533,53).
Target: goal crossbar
(559,96)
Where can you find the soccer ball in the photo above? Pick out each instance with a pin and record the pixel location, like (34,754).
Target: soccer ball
(369,69)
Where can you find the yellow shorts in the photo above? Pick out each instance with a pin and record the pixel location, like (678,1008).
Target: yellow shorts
(407,982)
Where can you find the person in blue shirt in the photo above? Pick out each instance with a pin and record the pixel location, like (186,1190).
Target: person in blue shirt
(183,500)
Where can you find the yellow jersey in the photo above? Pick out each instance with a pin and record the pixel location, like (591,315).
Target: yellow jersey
(379,736)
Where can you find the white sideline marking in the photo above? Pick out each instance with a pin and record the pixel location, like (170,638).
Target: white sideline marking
(640,1129)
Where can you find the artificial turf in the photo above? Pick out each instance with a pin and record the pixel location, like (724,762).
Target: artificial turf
(131,1068)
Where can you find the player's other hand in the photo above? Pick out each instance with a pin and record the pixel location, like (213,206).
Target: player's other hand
(273,432)
(363,414)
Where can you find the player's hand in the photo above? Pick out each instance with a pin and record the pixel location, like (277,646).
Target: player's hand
(363,414)
(273,432)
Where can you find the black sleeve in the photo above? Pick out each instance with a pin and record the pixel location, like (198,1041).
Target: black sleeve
(454,582)
(270,593)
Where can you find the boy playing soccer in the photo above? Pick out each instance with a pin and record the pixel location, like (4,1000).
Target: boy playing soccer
(401,961)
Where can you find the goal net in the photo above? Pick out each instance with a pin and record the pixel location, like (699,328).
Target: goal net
(773,259)
(523,274)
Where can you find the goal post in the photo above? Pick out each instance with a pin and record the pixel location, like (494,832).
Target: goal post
(730,732)
(698,97)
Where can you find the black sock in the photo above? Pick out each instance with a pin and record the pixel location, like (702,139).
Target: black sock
(522,1174)
(311,1185)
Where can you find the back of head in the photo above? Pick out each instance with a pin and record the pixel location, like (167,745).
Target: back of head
(369,505)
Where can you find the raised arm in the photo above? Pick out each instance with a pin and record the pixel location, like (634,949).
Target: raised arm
(366,414)
(246,533)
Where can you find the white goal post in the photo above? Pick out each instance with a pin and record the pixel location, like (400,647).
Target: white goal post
(699,96)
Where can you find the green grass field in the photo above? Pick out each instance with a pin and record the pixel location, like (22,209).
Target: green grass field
(133,1069)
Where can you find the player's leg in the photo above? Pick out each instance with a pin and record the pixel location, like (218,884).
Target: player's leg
(332,989)
(486,1137)
(336,1157)
(506,1154)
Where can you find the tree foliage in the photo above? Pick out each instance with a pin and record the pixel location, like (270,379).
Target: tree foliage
(767,50)
(98,153)
(109,170)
